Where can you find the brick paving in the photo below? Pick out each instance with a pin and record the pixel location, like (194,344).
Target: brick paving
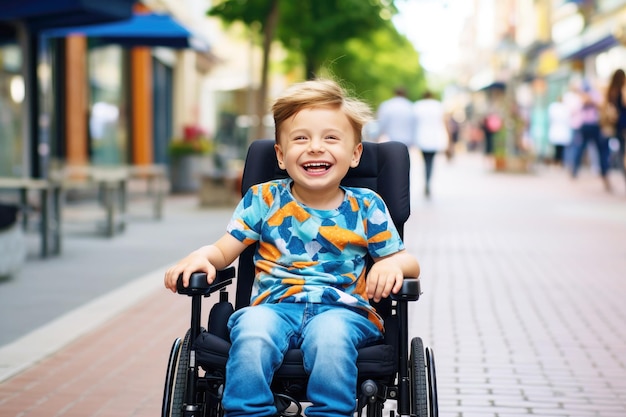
(523,305)
(523,279)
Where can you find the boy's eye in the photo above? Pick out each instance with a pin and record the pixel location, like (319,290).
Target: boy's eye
(300,138)
(332,138)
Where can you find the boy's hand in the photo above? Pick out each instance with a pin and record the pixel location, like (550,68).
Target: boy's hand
(384,277)
(194,262)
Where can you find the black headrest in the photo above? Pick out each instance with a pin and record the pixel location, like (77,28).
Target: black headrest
(384,168)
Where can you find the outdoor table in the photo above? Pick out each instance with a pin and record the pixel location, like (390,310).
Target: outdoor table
(110,182)
(156,177)
(49,194)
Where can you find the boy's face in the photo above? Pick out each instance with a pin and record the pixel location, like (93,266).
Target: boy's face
(317,147)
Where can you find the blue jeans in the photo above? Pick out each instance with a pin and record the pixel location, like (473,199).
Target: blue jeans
(429,160)
(329,337)
(592,133)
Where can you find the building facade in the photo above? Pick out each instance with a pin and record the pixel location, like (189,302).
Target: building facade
(70,98)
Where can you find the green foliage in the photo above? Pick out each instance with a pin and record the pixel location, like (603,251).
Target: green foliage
(499,143)
(182,147)
(250,12)
(354,40)
(314,26)
(375,65)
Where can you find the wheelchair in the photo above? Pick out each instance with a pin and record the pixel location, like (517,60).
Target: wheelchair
(395,369)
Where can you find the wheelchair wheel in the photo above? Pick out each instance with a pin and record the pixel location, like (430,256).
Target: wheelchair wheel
(176,378)
(417,368)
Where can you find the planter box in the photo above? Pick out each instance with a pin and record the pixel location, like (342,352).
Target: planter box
(185,172)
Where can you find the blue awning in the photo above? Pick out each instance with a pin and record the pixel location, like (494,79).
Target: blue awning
(142,29)
(46,14)
(593,48)
(593,40)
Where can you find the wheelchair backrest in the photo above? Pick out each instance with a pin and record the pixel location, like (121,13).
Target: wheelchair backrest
(384,168)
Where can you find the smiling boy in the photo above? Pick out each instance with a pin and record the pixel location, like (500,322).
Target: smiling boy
(311,289)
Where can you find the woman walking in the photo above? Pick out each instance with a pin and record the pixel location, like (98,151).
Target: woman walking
(431,134)
(616,101)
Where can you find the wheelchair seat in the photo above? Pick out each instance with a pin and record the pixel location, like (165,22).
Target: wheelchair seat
(378,360)
(387,370)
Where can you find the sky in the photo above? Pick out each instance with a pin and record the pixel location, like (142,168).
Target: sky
(433,26)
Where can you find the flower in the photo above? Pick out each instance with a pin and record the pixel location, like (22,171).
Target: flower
(194,142)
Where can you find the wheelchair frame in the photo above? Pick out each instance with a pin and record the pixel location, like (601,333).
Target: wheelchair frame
(189,394)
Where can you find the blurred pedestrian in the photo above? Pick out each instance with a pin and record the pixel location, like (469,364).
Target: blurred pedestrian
(431,133)
(454,129)
(590,132)
(396,120)
(616,97)
(559,129)
(491,125)
(572,98)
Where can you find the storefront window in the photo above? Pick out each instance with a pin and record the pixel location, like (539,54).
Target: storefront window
(11,98)
(107,106)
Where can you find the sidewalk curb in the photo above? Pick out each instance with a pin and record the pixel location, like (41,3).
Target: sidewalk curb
(50,338)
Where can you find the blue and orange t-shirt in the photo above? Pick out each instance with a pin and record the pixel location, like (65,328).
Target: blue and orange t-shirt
(309,255)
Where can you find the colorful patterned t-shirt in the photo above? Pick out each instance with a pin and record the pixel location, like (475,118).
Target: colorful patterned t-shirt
(309,255)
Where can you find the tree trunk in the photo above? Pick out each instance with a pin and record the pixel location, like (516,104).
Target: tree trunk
(269,28)
(310,67)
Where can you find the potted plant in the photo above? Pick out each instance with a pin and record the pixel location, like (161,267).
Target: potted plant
(187,154)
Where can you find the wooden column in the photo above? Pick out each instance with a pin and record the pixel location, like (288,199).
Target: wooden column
(142,113)
(76,105)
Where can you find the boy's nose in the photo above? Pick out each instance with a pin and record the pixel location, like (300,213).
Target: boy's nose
(316,145)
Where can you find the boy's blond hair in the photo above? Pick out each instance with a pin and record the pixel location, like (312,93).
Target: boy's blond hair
(320,93)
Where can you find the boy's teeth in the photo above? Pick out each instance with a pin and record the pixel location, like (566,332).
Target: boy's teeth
(316,166)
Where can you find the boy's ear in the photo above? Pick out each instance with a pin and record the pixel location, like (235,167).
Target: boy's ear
(356,155)
(279,156)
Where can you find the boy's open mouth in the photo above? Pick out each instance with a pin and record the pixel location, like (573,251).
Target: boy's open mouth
(317,166)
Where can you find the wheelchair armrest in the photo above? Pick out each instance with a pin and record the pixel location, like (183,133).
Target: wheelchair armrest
(199,286)
(410,290)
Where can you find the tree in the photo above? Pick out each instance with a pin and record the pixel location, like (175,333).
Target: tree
(311,28)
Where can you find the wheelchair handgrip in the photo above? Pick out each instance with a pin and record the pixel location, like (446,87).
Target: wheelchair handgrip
(198,284)
(410,290)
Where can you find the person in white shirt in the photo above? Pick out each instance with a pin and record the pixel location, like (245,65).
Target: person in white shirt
(396,120)
(559,129)
(431,134)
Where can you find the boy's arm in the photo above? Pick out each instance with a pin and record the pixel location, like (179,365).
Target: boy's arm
(207,259)
(387,274)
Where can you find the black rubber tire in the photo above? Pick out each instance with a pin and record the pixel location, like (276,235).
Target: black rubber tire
(176,379)
(433,401)
(419,388)
(180,381)
(169,378)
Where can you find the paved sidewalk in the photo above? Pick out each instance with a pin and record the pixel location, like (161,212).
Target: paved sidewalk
(523,302)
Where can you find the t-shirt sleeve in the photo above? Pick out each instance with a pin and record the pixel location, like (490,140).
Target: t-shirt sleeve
(383,238)
(246,221)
